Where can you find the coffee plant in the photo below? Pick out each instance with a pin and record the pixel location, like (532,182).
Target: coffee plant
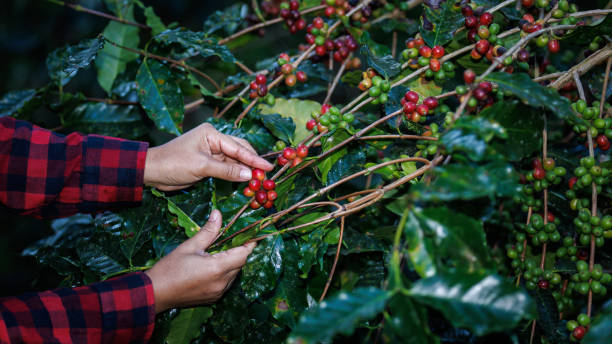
(442,167)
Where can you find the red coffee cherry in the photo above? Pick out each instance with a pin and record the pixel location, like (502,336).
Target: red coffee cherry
(486,19)
(431,102)
(272,195)
(422,110)
(302,151)
(301,76)
(255,205)
(311,124)
(289,153)
(412,96)
(469,76)
(261,197)
(260,79)
(255,184)
(539,173)
(258,174)
(269,184)
(437,51)
(248,192)
(579,332)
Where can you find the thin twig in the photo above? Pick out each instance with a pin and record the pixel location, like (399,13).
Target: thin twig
(336,80)
(80,8)
(336,257)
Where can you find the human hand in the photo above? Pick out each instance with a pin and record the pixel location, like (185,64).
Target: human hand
(191,276)
(199,153)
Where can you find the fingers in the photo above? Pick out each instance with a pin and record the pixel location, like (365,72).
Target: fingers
(207,234)
(235,150)
(244,143)
(234,258)
(227,170)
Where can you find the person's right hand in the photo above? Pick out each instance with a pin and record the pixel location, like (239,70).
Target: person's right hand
(190,276)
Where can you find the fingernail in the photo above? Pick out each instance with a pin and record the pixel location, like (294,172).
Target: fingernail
(215,216)
(245,174)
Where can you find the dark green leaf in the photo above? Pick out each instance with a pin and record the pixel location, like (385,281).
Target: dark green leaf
(258,136)
(348,164)
(439,22)
(395,97)
(583,35)
(229,20)
(532,93)
(468,182)
(482,303)
(313,248)
(548,315)
(64,63)
(195,43)
(600,331)
(94,257)
(189,225)
(339,314)
(406,322)
(186,326)
(281,127)
(470,144)
(385,65)
(296,109)
(112,59)
(523,125)
(15,102)
(262,268)
(106,119)
(160,96)
(153,21)
(326,164)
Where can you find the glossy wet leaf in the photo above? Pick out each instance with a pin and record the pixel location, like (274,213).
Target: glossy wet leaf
(106,119)
(439,22)
(195,43)
(186,326)
(94,257)
(600,331)
(153,21)
(15,102)
(548,315)
(532,93)
(262,268)
(296,109)
(385,65)
(64,63)
(258,136)
(113,60)
(228,20)
(339,314)
(281,127)
(160,96)
(483,303)
(348,164)
(189,225)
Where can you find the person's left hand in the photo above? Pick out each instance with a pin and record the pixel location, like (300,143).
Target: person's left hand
(199,153)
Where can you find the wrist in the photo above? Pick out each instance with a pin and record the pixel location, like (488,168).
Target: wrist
(151,175)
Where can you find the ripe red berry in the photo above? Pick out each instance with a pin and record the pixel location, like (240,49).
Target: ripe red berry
(486,86)
(482,46)
(480,94)
(301,76)
(272,195)
(263,90)
(329,11)
(296,162)
(261,79)
(437,51)
(300,24)
(255,184)
(551,217)
(554,46)
(294,5)
(289,153)
(258,174)
(486,19)
(248,192)
(310,38)
(412,96)
(261,197)
(318,22)
(409,108)
(290,80)
(572,181)
(543,284)
(324,108)
(287,68)
(527,3)
(329,45)
(253,85)
(320,50)
(469,76)
(536,163)
(539,173)
(467,11)
(431,102)
(579,332)
(422,110)
(255,205)
(268,205)
(471,22)
(434,65)
(302,151)
(311,124)
(282,161)
(425,51)
(269,184)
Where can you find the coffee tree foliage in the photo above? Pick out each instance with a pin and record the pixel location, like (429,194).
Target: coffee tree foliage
(439,235)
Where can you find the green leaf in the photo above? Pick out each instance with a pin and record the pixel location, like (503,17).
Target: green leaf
(583,35)
(532,93)
(160,96)
(339,314)
(263,267)
(326,164)
(15,102)
(470,136)
(112,60)
(94,257)
(385,65)
(229,20)
(469,182)
(407,323)
(195,43)
(257,135)
(483,303)
(346,165)
(186,326)
(600,331)
(64,63)
(522,123)
(153,21)
(439,22)
(296,109)
(106,119)
(190,226)
(281,127)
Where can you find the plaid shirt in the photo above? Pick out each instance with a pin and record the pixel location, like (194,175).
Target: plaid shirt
(44,174)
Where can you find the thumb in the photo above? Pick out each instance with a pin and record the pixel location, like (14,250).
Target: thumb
(208,233)
(234,258)
(227,171)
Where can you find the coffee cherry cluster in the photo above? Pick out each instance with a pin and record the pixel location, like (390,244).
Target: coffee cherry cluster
(420,55)
(545,173)
(584,280)
(341,47)
(579,327)
(329,118)
(601,129)
(589,172)
(366,79)
(482,95)
(379,90)
(289,11)
(294,156)
(537,277)
(588,225)
(262,189)
(413,110)
(426,147)
(287,69)
(259,89)
(336,7)
(542,233)
(568,250)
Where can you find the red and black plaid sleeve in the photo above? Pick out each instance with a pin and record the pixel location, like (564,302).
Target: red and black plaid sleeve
(120,310)
(45,174)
